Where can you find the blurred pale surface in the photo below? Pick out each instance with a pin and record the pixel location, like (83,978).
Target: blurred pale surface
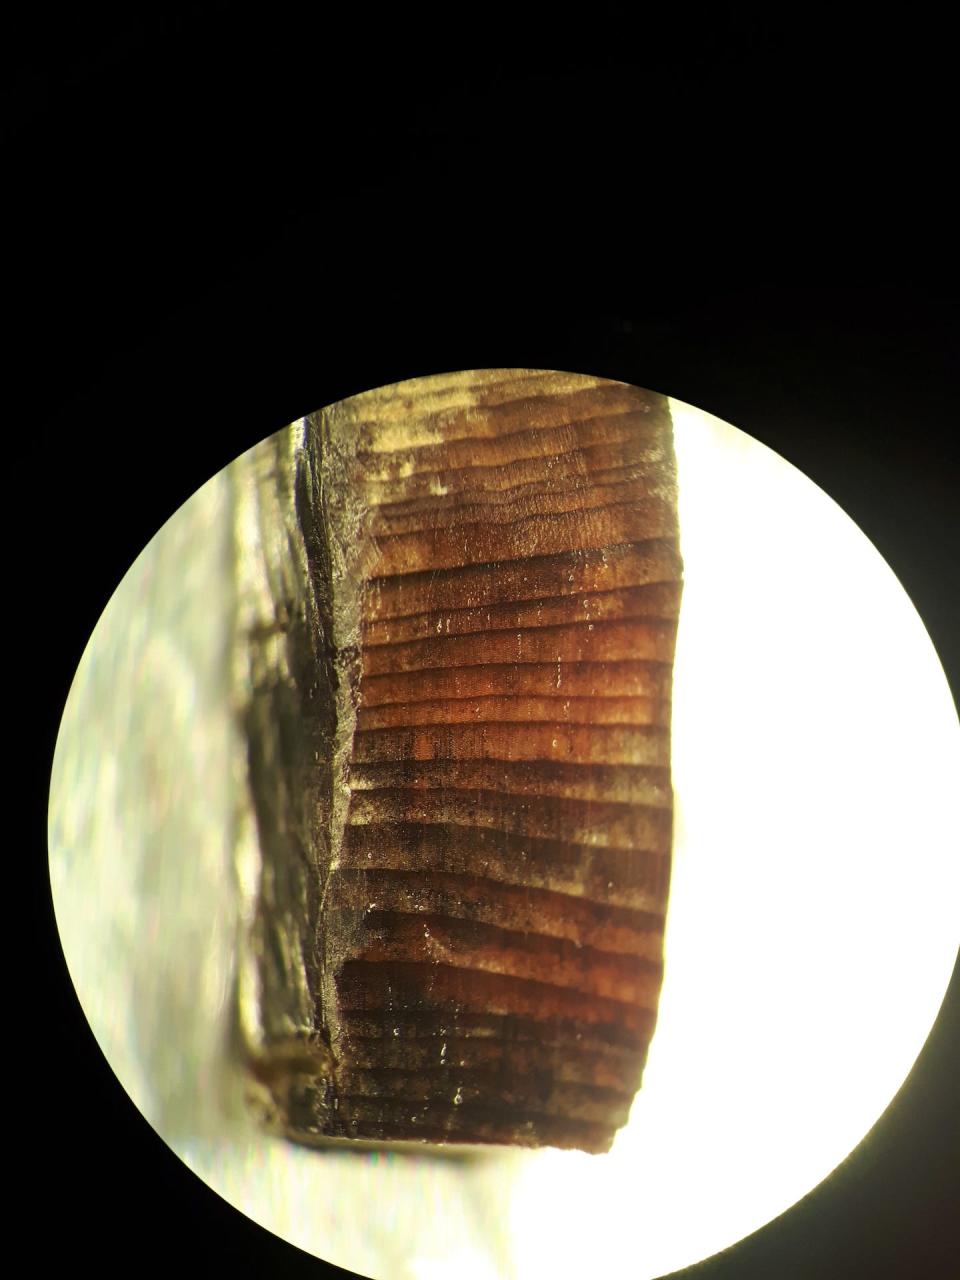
(812,924)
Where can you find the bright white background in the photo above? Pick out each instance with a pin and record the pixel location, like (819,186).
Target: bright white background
(813,915)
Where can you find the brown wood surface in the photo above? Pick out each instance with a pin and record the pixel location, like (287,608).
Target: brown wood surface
(497,570)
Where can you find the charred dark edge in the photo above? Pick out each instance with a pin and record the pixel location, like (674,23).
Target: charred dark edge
(285,733)
(318,683)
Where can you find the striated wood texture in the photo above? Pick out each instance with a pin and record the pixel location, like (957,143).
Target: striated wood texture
(474,820)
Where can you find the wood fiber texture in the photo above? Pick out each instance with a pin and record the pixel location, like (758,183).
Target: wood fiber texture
(479,826)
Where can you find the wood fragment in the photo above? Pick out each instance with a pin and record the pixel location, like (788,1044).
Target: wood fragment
(458,608)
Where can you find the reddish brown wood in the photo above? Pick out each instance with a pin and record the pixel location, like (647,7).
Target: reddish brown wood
(496,580)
